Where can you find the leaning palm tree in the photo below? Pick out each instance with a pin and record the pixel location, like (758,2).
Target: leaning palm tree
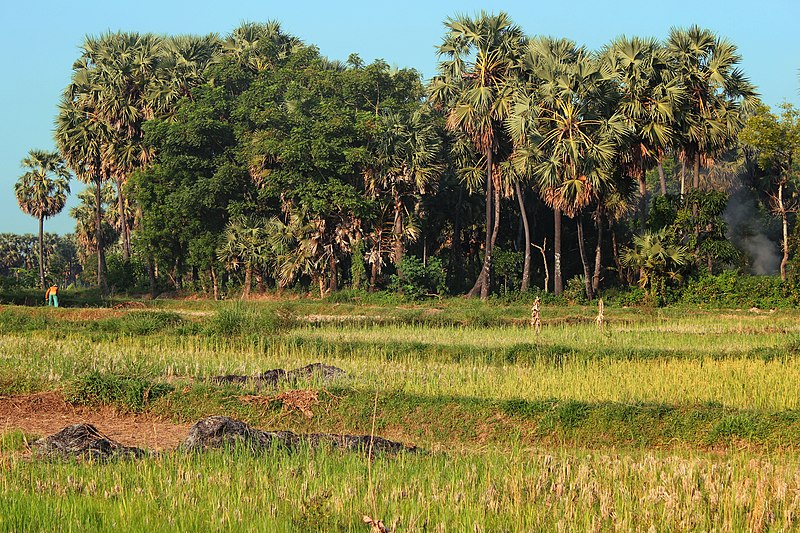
(474,87)
(42,191)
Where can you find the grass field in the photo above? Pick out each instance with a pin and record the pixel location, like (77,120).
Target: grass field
(680,419)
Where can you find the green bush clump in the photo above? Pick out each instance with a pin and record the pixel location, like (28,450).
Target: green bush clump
(13,322)
(732,289)
(416,280)
(131,393)
(242,319)
(139,322)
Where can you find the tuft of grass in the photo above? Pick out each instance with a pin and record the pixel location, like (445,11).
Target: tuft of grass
(127,392)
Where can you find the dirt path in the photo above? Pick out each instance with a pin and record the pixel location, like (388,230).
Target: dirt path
(46,413)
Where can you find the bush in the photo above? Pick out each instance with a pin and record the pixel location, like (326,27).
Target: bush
(575,291)
(140,322)
(732,289)
(416,280)
(242,319)
(128,392)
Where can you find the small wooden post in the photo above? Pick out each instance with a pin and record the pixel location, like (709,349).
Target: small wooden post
(536,318)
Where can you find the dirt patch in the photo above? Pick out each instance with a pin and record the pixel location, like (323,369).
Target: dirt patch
(47,413)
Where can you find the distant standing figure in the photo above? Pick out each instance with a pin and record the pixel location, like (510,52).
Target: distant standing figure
(536,319)
(51,296)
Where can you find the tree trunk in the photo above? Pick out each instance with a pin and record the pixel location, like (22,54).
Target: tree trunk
(481,286)
(397,230)
(41,250)
(495,231)
(696,176)
(151,273)
(126,237)
(214,282)
(526,267)
(333,282)
(456,261)
(598,253)
(683,177)
(785,228)
(587,279)
(642,202)
(248,279)
(98,228)
(617,261)
(373,276)
(558,283)
(662,179)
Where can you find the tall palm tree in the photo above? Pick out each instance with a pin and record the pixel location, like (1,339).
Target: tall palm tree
(565,134)
(475,89)
(42,191)
(717,95)
(81,140)
(649,95)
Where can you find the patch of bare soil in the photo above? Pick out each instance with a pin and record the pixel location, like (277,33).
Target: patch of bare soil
(46,413)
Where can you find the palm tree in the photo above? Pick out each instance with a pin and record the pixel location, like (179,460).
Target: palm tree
(717,95)
(82,140)
(475,88)
(658,259)
(244,243)
(648,97)
(406,167)
(42,191)
(565,134)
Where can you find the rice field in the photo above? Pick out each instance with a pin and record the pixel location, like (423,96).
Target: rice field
(680,420)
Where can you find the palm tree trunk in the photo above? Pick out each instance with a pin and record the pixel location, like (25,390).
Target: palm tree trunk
(495,231)
(558,283)
(598,254)
(642,201)
(98,228)
(151,273)
(662,179)
(785,229)
(456,260)
(397,230)
(41,249)
(333,282)
(526,267)
(587,280)
(481,286)
(126,237)
(248,279)
(617,261)
(696,176)
(214,282)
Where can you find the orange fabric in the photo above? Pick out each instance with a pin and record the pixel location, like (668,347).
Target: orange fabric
(51,290)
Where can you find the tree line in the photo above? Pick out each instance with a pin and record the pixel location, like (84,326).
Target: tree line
(254,160)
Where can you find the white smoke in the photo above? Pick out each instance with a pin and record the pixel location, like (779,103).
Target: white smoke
(747,231)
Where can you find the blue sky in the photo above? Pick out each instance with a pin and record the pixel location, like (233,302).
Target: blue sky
(40,40)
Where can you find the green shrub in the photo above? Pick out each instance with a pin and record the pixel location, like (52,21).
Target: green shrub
(242,319)
(128,392)
(416,280)
(732,289)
